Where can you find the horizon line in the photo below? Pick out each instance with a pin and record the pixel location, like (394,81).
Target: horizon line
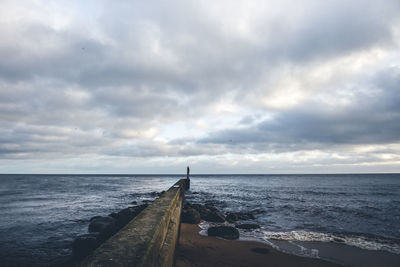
(200,174)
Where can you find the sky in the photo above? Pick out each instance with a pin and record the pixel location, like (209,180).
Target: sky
(123,86)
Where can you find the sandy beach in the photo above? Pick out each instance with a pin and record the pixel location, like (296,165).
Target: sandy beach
(197,250)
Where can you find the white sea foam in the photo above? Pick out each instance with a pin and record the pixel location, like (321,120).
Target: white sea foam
(268,236)
(357,241)
(204,226)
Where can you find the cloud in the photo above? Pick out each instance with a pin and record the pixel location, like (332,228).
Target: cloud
(106,81)
(373,117)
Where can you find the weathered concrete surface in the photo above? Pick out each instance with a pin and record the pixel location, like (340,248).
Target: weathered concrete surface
(149,239)
(167,252)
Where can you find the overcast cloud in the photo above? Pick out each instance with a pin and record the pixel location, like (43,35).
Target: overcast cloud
(226,87)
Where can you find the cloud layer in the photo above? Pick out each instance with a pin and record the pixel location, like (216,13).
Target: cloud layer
(259,86)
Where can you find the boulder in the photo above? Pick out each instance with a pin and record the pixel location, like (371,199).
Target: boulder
(247,226)
(200,208)
(227,232)
(208,212)
(95,217)
(210,207)
(99,223)
(213,216)
(246,215)
(109,231)
(232,217)
(113,215)
(84,244)
(190,215)
(126,215)
(103,227)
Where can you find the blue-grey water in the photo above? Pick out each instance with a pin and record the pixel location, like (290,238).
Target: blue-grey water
(41,214)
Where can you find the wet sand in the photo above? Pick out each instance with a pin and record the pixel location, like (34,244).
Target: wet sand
(353,256)
(197,250)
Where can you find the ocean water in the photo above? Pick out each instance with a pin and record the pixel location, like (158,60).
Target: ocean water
(302,214)
(41,214)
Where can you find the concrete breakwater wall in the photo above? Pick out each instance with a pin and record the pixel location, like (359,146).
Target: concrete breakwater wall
(149,239)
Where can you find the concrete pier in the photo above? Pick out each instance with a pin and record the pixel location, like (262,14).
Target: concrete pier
(149,239)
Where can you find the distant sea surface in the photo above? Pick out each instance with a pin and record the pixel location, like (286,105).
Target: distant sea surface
(40,215)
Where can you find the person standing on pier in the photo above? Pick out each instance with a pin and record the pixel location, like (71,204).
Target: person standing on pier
(187,176)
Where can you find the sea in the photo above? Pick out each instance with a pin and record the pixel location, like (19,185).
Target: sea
(351,219)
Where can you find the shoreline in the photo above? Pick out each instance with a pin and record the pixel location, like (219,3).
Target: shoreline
(197,250)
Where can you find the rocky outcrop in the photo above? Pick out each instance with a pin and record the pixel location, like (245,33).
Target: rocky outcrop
(236,216)
(190,215)
(99,223)
(214,216)
(126,215)
(208,213)
(227,232)
(84,244)
(102,228)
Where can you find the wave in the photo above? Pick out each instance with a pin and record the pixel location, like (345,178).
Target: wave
(364,242)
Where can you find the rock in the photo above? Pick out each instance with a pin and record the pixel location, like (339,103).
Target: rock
(109,231)
(200,208)
(103,227)
(236,216)
(208,212)
(111,224)
(213,216)
(113,215)
(231,217)
(126,215)
(98,223)
(84,244)
(95,217)
(247,226)
(134,202)
(190,215)
(227,232)
(260,250)
(210,207)
(246,216)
